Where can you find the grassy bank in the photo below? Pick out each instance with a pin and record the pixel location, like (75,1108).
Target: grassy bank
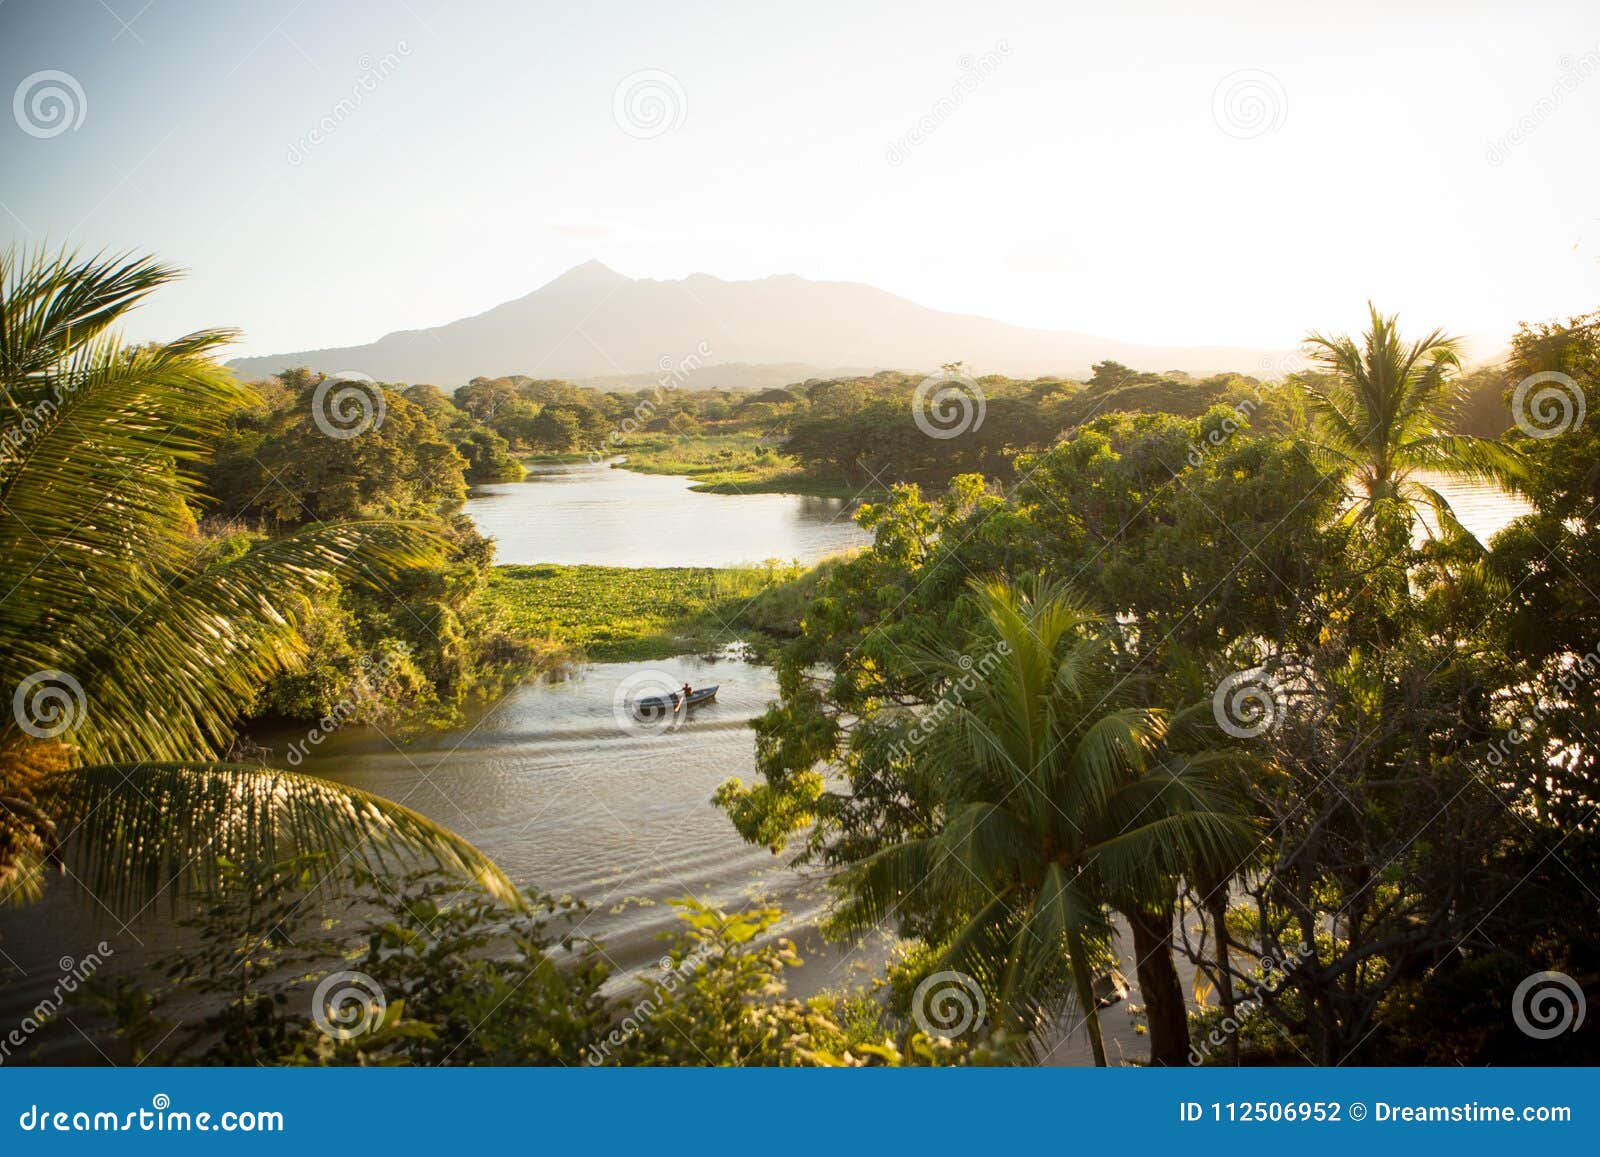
(622,614)
(554,459)
(732,464)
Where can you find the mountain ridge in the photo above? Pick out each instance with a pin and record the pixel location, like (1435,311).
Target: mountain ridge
(592,322)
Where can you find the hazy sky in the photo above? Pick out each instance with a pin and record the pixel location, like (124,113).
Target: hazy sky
(1227,173)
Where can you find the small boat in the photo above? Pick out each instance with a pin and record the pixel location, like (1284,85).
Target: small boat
(653,704)
(1110,988)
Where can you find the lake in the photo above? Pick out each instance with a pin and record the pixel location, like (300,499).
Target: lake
(567,797)
(595,514)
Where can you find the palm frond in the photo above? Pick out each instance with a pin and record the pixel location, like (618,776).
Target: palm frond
(1416,493)
(139,833)
(1382,411)
(1106,753)
(108,585)
(1464,456)
(95,505)
(871,890)
(172,681)
(985,840)
(53,303)
(1163,846)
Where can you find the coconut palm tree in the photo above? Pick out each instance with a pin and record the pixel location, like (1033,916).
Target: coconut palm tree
(1051,806)
(1380,414)
(130,644)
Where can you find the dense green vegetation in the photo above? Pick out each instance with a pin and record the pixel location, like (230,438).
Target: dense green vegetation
(615,614)
(446,977)
(132,639)
(1405,725)
(1143,655)
(415,649)
(1057,799)
(738,463)
(834,437)
(876,430)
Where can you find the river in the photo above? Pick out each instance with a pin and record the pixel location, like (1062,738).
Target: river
(563,794)
(604,516)
(573,796)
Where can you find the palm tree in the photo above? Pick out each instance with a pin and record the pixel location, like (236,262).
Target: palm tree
(1380,415)
(128,644)
(1050,807)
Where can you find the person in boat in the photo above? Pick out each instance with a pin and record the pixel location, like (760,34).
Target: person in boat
(687,691)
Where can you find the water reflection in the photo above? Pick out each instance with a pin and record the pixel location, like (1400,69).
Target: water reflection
(611,517)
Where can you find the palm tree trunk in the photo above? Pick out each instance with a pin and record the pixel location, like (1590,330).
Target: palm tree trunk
(1159,985)
(1217,903)
(1084,983)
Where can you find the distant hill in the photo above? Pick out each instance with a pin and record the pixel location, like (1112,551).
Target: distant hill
(592,323)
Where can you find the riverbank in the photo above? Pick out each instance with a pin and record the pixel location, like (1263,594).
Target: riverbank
(636,614)
(734,464)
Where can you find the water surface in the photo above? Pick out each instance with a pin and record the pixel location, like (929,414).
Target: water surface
(1482,507)
(571,794)
(612,517)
